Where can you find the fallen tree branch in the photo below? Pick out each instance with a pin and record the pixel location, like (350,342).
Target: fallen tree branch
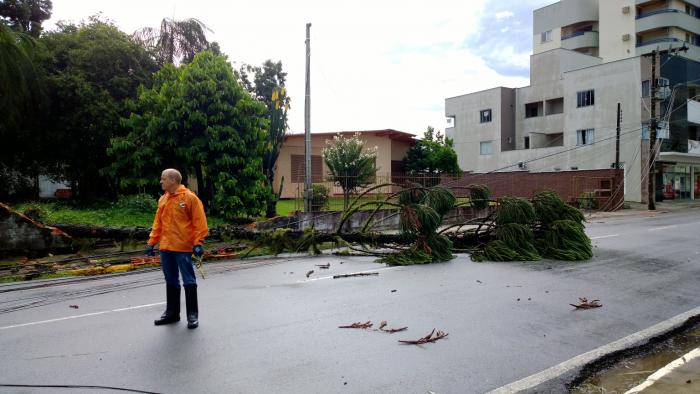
(426,339)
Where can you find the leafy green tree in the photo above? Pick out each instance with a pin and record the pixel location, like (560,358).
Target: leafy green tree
(432,156)
(351,166)
(25,15)
(91,69)
(268,87)
(198,118)
(176,41)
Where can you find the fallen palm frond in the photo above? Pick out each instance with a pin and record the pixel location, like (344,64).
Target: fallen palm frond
(382,328)
(426,339)
(585,304)
(367,324)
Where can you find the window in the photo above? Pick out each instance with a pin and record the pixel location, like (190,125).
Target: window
(485,148)
(646,88)
(546,36)
(533,109)
(527,142)
(585,98)
(485,116)
(585,137)
(298,171)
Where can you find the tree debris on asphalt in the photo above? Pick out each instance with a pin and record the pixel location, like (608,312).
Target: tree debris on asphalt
(367,324)
(357,274)
(324,266)
(309,273)
(73,306)
(585,304)
(390,330)
(426,339)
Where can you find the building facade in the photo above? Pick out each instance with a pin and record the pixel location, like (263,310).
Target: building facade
(588,57)
(391,146)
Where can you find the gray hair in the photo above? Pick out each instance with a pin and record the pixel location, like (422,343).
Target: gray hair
(173,174)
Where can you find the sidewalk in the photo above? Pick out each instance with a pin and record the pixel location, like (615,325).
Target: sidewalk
(639,209)
(680,376)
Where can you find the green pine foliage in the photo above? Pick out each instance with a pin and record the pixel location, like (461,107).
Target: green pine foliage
(514,210)
(479,196)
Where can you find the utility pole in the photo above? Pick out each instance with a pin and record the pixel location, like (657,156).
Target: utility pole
(307,124)
(617,138)
(651,181)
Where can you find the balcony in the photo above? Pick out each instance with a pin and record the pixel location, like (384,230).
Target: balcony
(580,39)
(667,17)
(694,112)
(550,124)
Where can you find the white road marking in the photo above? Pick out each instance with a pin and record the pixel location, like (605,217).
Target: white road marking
(81,316)
(606,236)
(331,276)
(581,360)
(663,227)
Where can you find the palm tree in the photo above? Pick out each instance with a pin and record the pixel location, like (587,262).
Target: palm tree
(17,73)
(175,41)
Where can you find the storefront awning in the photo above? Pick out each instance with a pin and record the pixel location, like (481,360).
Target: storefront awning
(680,158)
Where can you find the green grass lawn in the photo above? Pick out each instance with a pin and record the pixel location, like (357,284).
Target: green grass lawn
(98,215)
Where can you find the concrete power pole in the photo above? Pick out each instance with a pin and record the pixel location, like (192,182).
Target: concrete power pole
(307,124)
(617,138)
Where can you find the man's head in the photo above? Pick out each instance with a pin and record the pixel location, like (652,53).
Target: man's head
(170,180)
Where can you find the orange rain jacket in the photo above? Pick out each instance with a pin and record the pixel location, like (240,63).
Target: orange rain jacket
(180,222)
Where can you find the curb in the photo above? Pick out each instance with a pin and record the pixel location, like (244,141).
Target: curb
(558,377)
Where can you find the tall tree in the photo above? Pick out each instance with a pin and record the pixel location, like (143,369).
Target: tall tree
(199,117)
(431,156)
(351,165)
(268,87)
(176,41)
(18,74)
(91,70)
(25,15)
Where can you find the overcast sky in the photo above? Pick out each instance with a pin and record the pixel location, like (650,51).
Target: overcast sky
(375,64)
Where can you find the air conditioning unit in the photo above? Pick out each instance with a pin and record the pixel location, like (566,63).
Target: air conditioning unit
(626,9)
(626,37)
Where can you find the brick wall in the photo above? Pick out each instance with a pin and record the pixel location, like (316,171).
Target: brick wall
(606,185)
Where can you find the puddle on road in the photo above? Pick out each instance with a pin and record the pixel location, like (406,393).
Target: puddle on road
(632,371)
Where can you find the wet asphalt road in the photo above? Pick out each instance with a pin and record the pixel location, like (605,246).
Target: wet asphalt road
(266,328)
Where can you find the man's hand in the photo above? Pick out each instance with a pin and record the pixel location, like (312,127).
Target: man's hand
(198,250)
(150,250)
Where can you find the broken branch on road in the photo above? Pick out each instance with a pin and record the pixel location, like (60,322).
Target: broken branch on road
(426,339)
(389,330)
(366,324)
(357,274)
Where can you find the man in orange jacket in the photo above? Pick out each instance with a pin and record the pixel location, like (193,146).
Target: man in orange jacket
(180,226)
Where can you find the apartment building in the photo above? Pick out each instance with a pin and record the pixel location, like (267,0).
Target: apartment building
(588,57)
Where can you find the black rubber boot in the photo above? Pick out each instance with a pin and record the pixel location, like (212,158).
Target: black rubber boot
(192,308)
(172,306)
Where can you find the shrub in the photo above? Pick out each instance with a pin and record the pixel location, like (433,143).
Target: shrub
(319,197)
(137,203)
(35,212)
(586,200)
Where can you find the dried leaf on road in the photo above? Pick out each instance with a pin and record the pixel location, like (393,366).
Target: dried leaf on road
(73,306)
(428,338)
(585,304)
(366,324)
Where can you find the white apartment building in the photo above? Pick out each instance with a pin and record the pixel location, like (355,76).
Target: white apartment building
(588,57)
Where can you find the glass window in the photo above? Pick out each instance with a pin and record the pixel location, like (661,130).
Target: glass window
(527,142)
(485,116)
(546,36)
(585,137)
(485,148)
(585,98)
(646,88)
